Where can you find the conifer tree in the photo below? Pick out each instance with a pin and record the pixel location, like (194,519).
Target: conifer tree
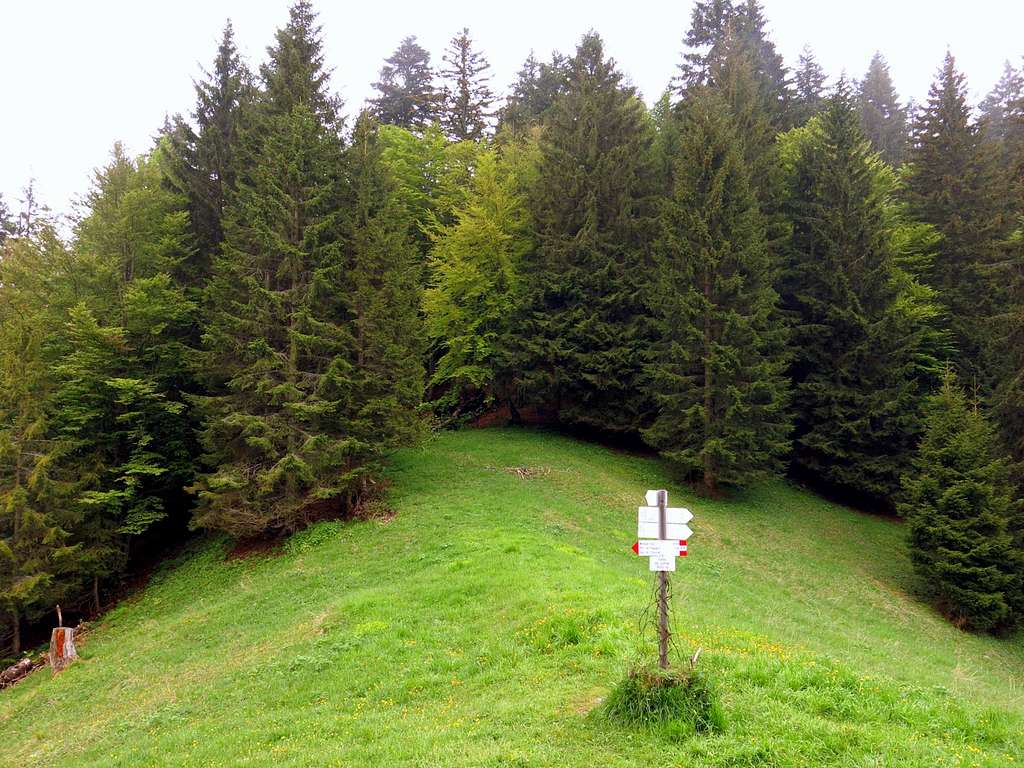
(6,222)
(808,87)
(582,344)
(958,502)
(1007,346)
(407,97)
(383,267)
(953,183)
(999,106)
(883,119)
(860,357)
(279,343)
(720,26)
(719,376)
(537,86)
(467,94)
(473,294)
(204,166)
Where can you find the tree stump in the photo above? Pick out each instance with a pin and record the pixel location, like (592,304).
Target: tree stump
(62,648)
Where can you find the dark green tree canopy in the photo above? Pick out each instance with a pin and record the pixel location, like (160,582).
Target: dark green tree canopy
(408,97)
(883,119)
(808,86)
(468,97)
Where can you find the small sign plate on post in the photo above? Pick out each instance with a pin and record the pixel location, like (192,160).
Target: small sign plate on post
(672,515)
(663,561)
(672,531)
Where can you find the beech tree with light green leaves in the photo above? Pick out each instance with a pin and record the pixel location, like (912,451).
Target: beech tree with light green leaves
(474,290)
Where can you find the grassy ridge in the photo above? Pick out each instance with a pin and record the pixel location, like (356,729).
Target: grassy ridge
(482,625)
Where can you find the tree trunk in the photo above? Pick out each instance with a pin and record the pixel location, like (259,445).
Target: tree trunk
(62,648)
(16,639)
(96,594)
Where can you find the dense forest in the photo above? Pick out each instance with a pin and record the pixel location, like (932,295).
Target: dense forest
(759,275)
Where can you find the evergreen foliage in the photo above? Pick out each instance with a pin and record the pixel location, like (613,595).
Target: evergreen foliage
(407,97)
(203,157)
(808,87)
(468,97)
(882,118)
(718,27)
(860,340)
(537,86)
(583,344)
(720,362)
(953,182)
(959,504)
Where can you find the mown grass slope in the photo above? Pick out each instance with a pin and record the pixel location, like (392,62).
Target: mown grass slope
(482,625)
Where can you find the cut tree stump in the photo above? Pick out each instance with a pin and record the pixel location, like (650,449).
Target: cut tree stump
(62,648)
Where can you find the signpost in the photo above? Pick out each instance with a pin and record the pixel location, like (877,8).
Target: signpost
(663,532)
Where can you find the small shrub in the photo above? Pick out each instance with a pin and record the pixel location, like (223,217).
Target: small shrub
(681,703)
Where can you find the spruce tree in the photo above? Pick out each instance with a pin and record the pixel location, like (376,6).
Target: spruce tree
(1007,346)
(859,337)
(720,26)
(279,343)
(383,301)
(883,119)
(583,340)
(204,166)
(999,106)
(467,94)
(471,302)
(808,86)
(953,182)
(407,97)
(719,371)
(6,222)
(958,503)
(537,86)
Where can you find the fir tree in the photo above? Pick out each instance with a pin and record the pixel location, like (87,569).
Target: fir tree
(859,338)
(583,340)
(204,157)
(882,118)
(1007,346)
(6,222)
(538,85)
(472,299)
(953,183)
(958,503)
(467,94)
(278,339)
(720,26)
(809,87)
(720,367)
(407,94)
(383,302)
(294,75)
(998,108)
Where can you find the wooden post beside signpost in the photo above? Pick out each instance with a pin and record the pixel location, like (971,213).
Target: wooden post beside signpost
(662,532)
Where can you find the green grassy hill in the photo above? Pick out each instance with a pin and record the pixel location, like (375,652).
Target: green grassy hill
(483,623)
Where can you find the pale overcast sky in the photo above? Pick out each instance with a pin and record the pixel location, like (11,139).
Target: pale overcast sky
(76,75)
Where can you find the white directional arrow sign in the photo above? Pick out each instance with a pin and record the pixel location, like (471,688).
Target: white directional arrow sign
(672,531)
(672,515)
(651,497)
